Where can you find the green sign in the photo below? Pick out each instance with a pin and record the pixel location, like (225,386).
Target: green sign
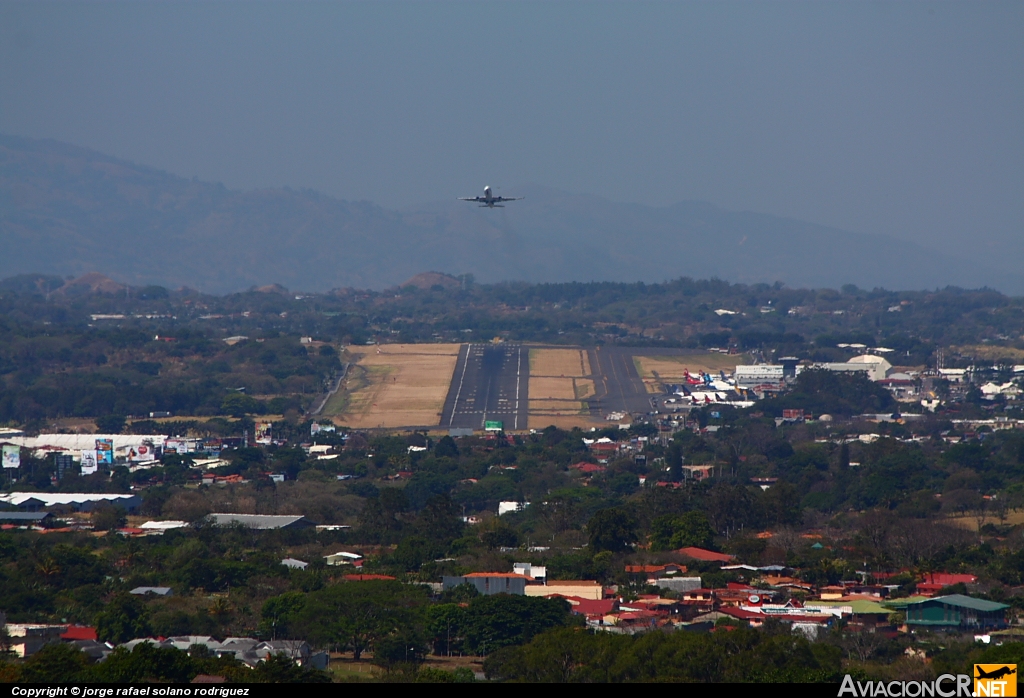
(494,426)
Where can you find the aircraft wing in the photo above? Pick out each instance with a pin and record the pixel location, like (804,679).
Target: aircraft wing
(508,198)
(472,198)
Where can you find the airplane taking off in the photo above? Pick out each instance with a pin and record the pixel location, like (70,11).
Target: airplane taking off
(489,200)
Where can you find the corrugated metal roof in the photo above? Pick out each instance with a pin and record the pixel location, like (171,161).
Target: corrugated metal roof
(259,521)
(86,441)
(965,602)
(50,499)
(856,605)
(23,515)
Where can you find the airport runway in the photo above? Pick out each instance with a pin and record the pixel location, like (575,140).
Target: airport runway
(617,385)
(489,384)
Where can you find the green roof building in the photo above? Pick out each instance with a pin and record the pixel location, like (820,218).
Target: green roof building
(956,612)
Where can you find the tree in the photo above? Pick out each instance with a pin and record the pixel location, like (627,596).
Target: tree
(239,404)
(844,455)
(279,611)
(413,551)
(446,448)
(124,618)
(357,614)
(379,520)
(110,424)
(732,507)
(281,669)
(559,656)
(612,529)
(501,620)
(445,626)
(440,520)
(500,536)
(56,663)
(674,458)
(402,647)
(689,529)
(107,518)
(146,662)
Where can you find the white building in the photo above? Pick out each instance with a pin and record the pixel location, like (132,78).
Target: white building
(342,558)
(874,366)
(759,374)
(511,507)
(535,571)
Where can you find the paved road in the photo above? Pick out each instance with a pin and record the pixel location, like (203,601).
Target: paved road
(489,384)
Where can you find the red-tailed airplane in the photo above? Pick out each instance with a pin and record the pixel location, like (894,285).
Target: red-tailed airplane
(489,200)
(690,380)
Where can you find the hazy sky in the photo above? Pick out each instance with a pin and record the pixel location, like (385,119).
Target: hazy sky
(904,119)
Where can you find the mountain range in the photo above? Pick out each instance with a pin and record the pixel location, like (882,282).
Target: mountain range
(69,210)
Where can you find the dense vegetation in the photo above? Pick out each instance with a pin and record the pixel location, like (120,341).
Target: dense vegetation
(894,511)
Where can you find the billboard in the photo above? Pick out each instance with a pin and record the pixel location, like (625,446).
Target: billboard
(105,451)
(89,461)
(65,462)
(12,456)
(493,426)
(263,432)
(142,452)
(180,445)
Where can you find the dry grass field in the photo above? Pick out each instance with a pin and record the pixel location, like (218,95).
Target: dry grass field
(559,381)
(542,387)
(559,362)
(584,387)
(992,353)
(403,385)
(1013,518)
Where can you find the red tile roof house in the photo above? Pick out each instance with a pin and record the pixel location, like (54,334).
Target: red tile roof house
(592,607)
(704,555)
(656,570)
(604,449)
(934,582)
(740,594)
(79,632)
(697,595)
(635,621)
(588,468)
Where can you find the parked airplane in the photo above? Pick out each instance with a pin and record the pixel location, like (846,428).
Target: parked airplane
(489,200)
(690,380)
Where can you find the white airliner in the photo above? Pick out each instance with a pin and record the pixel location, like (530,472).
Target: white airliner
(489,200)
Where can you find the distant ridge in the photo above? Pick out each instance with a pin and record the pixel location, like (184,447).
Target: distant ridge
(430,279)
(69,211)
